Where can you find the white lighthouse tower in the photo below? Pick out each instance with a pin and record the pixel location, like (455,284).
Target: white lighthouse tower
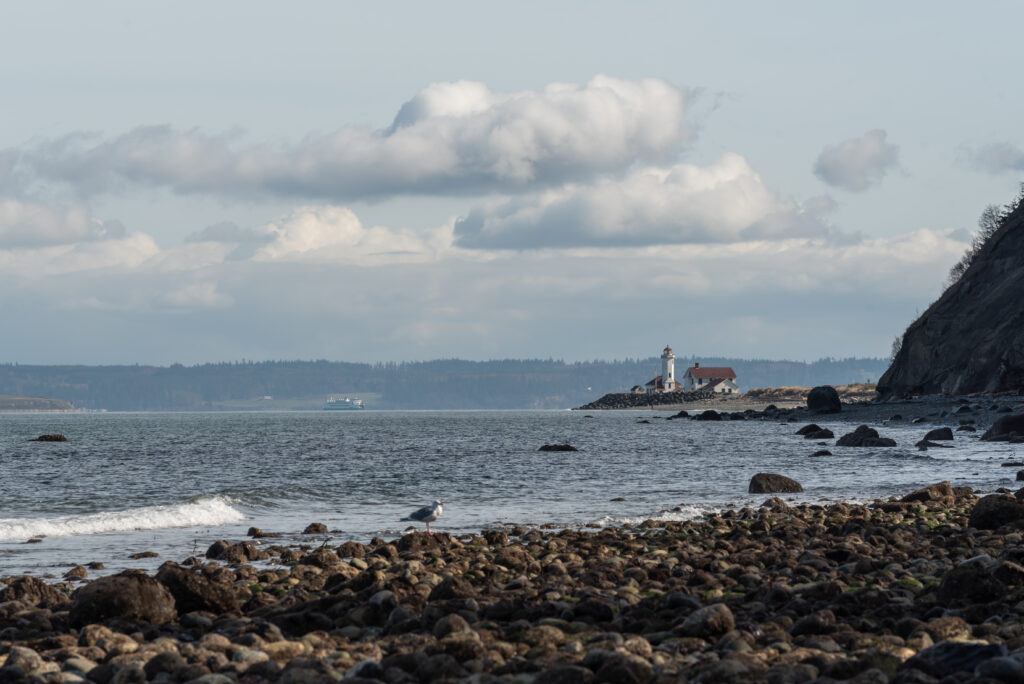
(668,370)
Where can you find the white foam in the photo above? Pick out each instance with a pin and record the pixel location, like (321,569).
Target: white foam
(680,514)
(214,510)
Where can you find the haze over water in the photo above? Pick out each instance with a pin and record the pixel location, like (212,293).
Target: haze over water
(174,483)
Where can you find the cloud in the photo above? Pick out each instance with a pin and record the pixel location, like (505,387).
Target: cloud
(450,139)
(29,224)
(724,202)
(996,158)
(858,163)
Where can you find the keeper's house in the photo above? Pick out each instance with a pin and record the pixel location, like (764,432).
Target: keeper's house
(721,380)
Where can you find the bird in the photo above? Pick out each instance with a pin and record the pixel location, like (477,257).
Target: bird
(427,514)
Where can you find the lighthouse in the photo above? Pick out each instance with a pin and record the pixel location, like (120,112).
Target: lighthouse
(668,370)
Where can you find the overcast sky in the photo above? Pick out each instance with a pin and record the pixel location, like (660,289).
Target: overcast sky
(191,182)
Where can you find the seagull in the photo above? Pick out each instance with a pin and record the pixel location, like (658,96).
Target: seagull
(427,514)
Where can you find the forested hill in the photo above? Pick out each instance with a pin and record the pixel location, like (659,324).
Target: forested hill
(444,384)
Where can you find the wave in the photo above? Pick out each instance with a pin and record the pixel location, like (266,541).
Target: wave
(678,514)
(214,510)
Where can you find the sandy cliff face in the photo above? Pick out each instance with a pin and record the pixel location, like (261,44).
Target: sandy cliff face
(972,338)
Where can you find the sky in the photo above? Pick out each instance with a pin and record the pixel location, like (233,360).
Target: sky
(200,182)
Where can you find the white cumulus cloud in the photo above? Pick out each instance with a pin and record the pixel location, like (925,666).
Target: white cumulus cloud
(451,138)
(725,202)
(31,224)
(858,163)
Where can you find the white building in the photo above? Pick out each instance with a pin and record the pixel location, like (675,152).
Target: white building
(721,380)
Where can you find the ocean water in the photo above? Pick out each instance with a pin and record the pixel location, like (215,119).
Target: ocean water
(173,483)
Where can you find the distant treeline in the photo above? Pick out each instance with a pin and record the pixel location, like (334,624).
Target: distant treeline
(442,384)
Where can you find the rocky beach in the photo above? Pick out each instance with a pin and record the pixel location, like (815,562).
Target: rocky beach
(925,588)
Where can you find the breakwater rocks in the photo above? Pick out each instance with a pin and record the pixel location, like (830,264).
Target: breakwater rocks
(911,590)
(628,400)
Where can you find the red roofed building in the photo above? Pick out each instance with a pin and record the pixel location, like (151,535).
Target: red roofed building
(721,379)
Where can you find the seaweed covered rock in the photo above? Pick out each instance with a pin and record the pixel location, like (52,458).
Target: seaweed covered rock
(770,483)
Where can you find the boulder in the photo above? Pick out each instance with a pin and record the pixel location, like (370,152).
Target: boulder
(33,591)
(938,434)
(558,447)
(822,452)
(130,595)
(194,591)
(315,528)
(995,510)
(864,436)
(824,433)
(1005,428)
(973,581)
(947,657)
(824,399)
(808,429)
(710,414)
(709,622)
(769,483)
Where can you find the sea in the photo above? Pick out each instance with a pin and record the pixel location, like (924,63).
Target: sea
(173,483)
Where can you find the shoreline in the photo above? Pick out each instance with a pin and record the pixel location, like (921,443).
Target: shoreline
(778,592)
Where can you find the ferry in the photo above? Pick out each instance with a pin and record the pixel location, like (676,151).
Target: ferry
(345,404)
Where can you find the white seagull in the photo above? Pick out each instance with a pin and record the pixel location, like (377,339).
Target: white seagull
(427,514)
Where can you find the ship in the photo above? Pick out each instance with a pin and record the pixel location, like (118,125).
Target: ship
(345,404)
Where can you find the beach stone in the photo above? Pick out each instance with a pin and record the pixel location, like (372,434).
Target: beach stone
(947,657)
(942,433)
(130,595)
(775,504)
(971,581)
(194,591)
(321,558)
(769,483)
(995,510)
(564,674)
(940,493)
(167,661)
(824,399)
(709,621)
(452,588)
(77,572)
(864,436)
(315,528)
(624,669)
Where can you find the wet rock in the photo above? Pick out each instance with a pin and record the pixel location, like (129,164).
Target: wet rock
(32,591)
(939,493)
(808,429)
(129,595)
(452,588)
(558,447)
(938,434)
(768,483)
(821,452)
(710,414)
(824,399)
(315,528)
(971,581)
(1005,428)
(49,438)
(775,504)
(864,436)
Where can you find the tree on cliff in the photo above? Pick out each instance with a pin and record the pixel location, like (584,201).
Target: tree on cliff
(988,223)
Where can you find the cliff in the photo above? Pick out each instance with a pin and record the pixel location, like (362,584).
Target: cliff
(972,338)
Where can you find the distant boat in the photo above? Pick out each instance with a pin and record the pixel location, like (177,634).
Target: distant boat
(345,404)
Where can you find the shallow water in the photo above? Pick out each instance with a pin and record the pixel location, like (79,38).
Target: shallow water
(173,483)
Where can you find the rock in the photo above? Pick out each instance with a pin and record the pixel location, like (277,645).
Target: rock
(947,657)
(822,452)
(768,483)
(824,399)
(130,595)
(808,429)
(995,510)
(558,447)
(775,504)
(315,528)
(941,492)
(925,444)
(452,588)
(50,437)
(971,581)
(710,414)
(709,622)
(942,433)
(193,591)
(33,591)
(1005,428)
(820,434)
(864,436)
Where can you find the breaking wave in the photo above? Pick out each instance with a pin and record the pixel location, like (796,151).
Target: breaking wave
(679,514)
(214,510)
